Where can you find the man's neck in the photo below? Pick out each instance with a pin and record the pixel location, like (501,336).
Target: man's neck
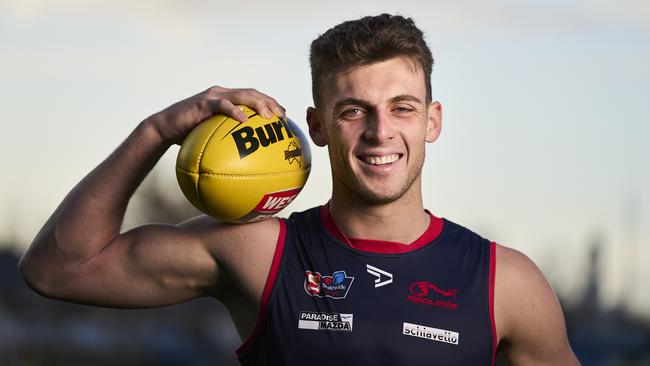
(403,220)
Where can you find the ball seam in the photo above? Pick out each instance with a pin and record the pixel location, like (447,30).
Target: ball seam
(200,159)
(242,175)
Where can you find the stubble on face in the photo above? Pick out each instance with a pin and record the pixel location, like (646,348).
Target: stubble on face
(379,196)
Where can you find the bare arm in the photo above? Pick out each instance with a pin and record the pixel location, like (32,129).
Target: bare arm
(530,323)
(80,255)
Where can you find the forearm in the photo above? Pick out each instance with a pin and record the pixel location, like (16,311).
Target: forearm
(90,216)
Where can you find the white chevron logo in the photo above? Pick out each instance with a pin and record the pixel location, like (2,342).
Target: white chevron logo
(379,273)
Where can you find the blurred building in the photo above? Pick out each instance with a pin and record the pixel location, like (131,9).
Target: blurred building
(602,337)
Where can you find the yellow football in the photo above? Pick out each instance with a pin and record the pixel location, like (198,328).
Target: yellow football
(243,171)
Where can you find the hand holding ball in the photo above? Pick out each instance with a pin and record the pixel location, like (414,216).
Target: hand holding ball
(243,171)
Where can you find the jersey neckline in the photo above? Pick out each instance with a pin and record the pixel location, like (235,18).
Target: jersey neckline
(382,246)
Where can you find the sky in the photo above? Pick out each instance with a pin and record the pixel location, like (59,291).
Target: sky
(545,119)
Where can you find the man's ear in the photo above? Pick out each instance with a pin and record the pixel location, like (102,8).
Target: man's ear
(318,136)
(434,122)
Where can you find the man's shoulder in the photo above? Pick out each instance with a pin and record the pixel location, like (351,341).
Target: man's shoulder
(527,312)
(223,237)
(520,287)
(264,231)
(515,265)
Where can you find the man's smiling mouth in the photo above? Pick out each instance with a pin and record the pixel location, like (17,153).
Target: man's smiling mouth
(380,160)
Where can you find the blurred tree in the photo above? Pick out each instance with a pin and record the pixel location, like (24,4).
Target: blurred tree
(160,200)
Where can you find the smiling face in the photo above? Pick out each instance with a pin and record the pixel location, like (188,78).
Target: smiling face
(375,121)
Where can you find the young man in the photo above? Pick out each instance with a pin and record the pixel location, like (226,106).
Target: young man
(368,278)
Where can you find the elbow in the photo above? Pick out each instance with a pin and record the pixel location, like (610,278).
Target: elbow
(50,277)
(27,271)
(34,266)
(35,276)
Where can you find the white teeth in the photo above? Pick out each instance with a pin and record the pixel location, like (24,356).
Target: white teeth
(380,160)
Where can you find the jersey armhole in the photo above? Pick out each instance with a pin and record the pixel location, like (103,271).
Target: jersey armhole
(268,288)
(491,300)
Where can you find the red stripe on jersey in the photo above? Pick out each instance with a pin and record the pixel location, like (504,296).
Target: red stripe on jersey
(381,246)
(268,286)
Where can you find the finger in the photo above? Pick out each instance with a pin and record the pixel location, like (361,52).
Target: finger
(261,108)
(260,102)
(224,106)
(253,99)
(274,106)
(277,109)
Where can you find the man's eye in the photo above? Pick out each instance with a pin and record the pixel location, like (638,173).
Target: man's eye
(403,109)
(352,112)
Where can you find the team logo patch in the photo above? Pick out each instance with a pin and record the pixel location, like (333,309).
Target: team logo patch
(335,286)
(325,321)
(432,334)
(427,293)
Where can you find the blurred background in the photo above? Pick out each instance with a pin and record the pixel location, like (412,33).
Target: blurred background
(544,148)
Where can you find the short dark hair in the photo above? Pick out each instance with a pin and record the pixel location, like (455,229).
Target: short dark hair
(364,41)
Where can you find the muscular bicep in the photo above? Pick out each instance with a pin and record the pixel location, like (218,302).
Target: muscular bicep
(529,319)
(152,265)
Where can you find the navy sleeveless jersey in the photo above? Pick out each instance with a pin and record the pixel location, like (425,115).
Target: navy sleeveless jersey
(330,300)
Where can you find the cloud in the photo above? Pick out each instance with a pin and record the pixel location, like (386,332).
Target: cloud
(194,17)
(162,19)
(549,16)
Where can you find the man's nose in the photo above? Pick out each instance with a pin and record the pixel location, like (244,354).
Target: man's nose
(379,127)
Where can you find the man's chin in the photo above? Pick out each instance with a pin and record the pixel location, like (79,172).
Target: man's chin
(385,192)
(380,197)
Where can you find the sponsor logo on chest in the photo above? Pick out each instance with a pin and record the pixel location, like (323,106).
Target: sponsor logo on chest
(430,333)
(427,293)
(325,321)
(381,277)
(335,286)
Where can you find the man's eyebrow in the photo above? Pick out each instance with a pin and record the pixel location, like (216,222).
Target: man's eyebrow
(405,98)
(350,101)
